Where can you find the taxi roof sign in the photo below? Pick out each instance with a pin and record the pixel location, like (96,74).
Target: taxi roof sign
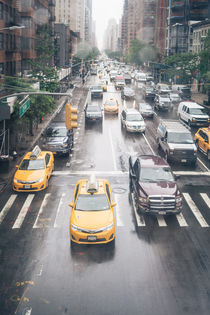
(92,184)
(36,152)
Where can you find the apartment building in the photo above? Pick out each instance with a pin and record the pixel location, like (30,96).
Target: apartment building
(200,32)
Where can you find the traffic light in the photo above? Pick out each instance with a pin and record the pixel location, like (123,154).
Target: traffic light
(70,116)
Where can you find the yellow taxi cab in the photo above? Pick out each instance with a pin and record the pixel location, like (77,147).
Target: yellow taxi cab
(103,84)
(92,217)
(111,106)
(202,141)
(34,171)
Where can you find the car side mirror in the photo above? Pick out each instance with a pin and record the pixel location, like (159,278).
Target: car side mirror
(162,139)
(17,166)
(71,204)
(114,204)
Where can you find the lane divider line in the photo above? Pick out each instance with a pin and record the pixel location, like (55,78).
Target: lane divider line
(44,203)
(56,225)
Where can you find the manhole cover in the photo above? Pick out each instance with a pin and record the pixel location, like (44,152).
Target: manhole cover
(119,190)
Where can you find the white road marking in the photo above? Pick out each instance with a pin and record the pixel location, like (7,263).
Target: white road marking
(139,219)
(117,211)
(161,221)
(7,207)
(40,271)
(208,170)
(23,212)
(87,173)
(58,210)
(148,144)
(206,199)
(113,153)
(181,220)
(195,210)
(189,173)
(44,203)
(117,172)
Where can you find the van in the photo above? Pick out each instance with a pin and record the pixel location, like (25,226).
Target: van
(183,90)
(176,141)
(193,114)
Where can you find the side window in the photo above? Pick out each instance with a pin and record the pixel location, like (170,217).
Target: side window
(188,110)
(184,108)
(76,192)
(136,168)
(47,158)
(108,192)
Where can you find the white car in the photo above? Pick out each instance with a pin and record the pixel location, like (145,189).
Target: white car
(193,114)
(132,120)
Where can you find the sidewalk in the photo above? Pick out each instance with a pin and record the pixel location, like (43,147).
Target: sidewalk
(7,168)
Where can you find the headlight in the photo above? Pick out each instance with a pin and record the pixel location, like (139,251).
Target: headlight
(195,150)
(64,145)
(193,120)
(75,228)
(178,199)
(15,180)
(142,199)
(107,228)
(39,180)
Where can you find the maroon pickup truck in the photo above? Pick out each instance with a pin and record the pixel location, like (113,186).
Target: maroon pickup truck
(153,185)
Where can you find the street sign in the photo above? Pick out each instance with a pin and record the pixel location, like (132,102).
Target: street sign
(24,107)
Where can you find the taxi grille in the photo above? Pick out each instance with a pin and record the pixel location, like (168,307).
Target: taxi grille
(159,202)
(92,241)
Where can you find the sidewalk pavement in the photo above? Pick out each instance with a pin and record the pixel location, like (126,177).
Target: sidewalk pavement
(7,168)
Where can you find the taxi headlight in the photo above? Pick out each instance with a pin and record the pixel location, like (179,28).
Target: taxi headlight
(107,228)
(75,228)
(39,180)
(15,180)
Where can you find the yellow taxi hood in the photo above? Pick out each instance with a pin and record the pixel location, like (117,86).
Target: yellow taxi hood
(111,108)
(29,175)
(92,219)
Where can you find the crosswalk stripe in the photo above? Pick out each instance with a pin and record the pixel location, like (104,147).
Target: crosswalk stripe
(7,207)
(58,210)
(139,219)
(118,217)
(23,212)
(44,203)
(195,210)
(161,221)
(181,220)
(206,199)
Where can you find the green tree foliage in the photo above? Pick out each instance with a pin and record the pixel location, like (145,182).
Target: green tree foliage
(140,53)
(204,66)
(182,66)
(41,67)
(116,55)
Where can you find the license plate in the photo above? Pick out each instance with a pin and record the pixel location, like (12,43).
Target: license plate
(91,238)
(162,212)
(93,118)
(183,160)
(27,186)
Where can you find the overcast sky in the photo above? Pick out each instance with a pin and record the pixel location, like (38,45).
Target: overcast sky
(103,10)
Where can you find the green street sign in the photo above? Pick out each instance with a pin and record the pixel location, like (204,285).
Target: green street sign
(24,107)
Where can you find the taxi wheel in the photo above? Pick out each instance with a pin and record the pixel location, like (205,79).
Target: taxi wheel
(47,182)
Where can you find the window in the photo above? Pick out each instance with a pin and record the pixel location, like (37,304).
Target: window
(1,41)
(2,68)
(108,192)
(1,10)
(47,159)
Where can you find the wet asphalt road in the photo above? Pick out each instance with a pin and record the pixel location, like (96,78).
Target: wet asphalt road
(158,266)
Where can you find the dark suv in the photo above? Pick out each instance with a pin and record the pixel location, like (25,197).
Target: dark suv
(57,139)
(153,186)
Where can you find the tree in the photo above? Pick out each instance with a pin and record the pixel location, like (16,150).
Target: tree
(204,66)
(41,67)
(140,53)
(182,66)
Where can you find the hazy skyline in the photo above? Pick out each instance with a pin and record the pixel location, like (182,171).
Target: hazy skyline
(102,12)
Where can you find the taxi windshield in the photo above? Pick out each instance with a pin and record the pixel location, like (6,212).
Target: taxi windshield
(30,165)
(92,202)
(111,103)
